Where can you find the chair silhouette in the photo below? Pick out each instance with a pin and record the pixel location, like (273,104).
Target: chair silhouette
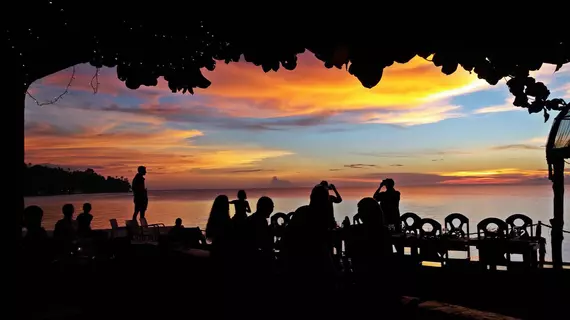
(457,236)
(429,234)
(429,240)
(457,225)
(410,227)
(279,228)
(492,248)
(523,230)
(484,232)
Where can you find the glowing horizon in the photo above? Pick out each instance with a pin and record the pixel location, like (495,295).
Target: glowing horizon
(294,128)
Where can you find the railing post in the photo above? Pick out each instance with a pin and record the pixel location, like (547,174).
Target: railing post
(541,245)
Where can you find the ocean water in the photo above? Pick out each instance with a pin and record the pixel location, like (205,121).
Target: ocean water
(193,206)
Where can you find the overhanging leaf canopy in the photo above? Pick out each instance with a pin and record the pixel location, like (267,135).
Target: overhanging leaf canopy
(145,43)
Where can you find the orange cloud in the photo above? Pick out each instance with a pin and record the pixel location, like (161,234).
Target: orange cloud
(495,176)
(244,90)
(117,151)
(311,88)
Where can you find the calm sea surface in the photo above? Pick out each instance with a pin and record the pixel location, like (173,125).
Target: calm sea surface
(476,202)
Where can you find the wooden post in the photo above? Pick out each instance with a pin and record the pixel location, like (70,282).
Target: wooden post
(557,221)
(541,245)
(12,195)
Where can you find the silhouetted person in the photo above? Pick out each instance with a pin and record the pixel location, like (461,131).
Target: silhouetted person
(390,204)
(310,268)
(258,255)
(241,206)
(336,198)
(140,194)
(219,226)
(34,235)
(64,233)
(34,257)
(84,221)
(260,235)
(346,222)
(219,230)
(175,234)
(372,260)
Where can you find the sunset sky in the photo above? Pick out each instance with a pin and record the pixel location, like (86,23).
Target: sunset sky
(256,129)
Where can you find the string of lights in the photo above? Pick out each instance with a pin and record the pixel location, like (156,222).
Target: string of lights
(95,81)
(59,97)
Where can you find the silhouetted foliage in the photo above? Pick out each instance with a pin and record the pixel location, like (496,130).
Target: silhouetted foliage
(161,42)
(43,180)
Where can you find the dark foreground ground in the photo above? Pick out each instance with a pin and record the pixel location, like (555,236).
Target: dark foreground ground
(142,282)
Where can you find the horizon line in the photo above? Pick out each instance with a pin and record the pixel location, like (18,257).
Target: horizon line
(362,186)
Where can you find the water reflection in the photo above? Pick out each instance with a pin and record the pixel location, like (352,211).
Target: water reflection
(193,206)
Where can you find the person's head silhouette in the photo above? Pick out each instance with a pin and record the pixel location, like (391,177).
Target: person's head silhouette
(242,195)
(265,206)
(141,170)
(324,184)
(369,210)
(178,222)
(68,210)
(87,207)
(33,216)
(389,183)
(319,195)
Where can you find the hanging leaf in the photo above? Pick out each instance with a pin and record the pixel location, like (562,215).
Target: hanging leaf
(558,66)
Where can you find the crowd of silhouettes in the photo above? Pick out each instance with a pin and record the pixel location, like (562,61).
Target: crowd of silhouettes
(242,247)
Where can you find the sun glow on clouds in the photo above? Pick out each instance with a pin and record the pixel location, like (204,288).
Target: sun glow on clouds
(119,129)
(494,176)
(118,151)
(311,88)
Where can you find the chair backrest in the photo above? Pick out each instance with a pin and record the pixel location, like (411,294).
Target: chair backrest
(457,225)
(279,216)
(410,223)
(193,237)
(522,230)
(429,234)
(279,228)
(485,232)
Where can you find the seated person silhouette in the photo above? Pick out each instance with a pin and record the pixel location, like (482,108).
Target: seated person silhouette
(241,206)
(33,233)
(390,204)
(64,232)
(176,233)
(259,232)
(84,221)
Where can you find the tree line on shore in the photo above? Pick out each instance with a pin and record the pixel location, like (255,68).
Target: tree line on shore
(47,180)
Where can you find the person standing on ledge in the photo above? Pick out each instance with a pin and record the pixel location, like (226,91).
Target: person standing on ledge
(140,194)
(390,204)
